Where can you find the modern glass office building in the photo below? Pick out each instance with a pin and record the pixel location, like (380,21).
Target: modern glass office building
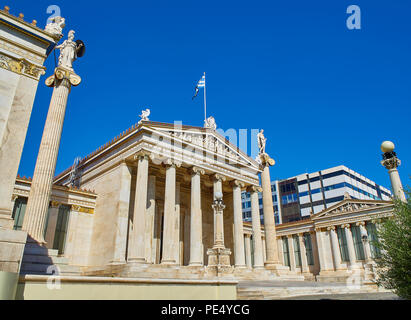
(309,193)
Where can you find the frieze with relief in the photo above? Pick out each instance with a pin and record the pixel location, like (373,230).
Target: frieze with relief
(209,142)
(21,66)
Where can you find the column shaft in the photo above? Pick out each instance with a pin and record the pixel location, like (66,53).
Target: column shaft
(168,256)
(137,233)
(239,256)
(335,249)
(320,248)
(39,197)
(150,219)
(256,225)
(269,222)
(350,244)
(196,236)
(119,255)
(177,222)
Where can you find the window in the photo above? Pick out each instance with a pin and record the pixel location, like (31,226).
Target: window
(373,240)
(61,229)
(297,251)
(18,212)
(286,252)
(358,245)
(309,249)
(342,241)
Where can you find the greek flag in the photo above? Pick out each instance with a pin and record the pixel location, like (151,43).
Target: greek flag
(200,84)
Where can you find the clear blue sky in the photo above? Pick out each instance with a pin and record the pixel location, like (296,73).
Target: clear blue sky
(325,95)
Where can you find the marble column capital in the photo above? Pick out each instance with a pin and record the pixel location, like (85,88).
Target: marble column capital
(346,226)
(14,197)
(218,177)
(196,170)
(172,163)
(254,189)
(55,204)
(360,223)
(75,208)
(237,183)
(247,235)
(301,234)
(331,228)
(61,74)
(142,154)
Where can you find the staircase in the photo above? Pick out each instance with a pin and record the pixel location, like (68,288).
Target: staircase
(42,261)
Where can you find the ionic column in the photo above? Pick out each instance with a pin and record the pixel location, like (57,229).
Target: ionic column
(320,248)
(315,250)
(120,244)
(335,248)
(177,222)
(136,249)
(183,218)
(350,244)
(39,197)
(269,222)
(365,240)
(196,235)
(169,243)
(247,239)
(291,251)
(150,218)
(52,223)
(239,257)
(303,251)
(256,225)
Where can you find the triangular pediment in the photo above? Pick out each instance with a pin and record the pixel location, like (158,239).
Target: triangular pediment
(202,138)
(349,206)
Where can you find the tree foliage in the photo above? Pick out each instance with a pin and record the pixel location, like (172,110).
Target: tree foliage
(394,264)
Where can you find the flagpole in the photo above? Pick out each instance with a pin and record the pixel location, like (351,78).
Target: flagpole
(205,99)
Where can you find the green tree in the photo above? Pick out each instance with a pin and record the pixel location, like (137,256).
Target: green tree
(394,264)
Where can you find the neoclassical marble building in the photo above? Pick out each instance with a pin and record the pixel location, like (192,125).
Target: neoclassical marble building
(143,205)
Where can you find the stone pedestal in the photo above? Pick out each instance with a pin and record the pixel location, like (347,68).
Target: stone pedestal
(39,197)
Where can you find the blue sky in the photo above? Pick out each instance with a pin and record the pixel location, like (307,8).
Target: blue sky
(325,95)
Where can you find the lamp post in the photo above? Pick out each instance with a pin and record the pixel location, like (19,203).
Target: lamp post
(218,255)
(391,162)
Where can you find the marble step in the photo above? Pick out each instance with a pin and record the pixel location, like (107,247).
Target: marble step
(41,251)
(30,258)
(285,292)
(40,268)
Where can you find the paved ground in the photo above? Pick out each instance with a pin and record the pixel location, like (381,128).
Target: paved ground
(354,296)
(299,290)
(274,283)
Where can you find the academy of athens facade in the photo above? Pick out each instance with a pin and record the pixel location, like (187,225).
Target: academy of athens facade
(165,177)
